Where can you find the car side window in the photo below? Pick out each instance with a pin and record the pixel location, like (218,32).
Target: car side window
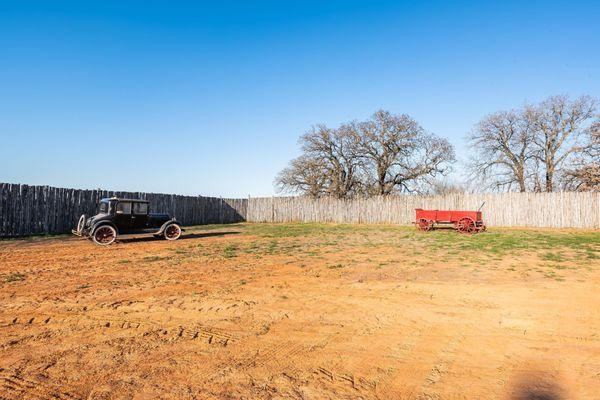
(140,208)
(123,208)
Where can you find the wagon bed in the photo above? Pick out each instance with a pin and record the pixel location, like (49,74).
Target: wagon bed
(462,221)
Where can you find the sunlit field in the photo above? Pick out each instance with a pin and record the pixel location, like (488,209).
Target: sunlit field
(302,311)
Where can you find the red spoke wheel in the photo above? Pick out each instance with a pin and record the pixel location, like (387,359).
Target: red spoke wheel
(172,232)
(466,225)
(105,235)
(424,224)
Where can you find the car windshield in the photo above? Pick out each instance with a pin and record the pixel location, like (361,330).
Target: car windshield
(103,207)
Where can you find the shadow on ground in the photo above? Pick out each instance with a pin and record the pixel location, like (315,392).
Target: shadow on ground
(535,385)
(184,236)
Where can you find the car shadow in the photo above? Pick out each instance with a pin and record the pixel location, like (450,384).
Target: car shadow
(184,236)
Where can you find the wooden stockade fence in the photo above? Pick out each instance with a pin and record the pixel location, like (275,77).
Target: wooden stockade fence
(552,210)
(30,210)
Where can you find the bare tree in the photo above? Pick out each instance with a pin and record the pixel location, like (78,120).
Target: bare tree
(536,148)
(585,173)
(329,165)
(398,155)
(443,187)
(585,178)
(560,124)
(305,174)
(502,145)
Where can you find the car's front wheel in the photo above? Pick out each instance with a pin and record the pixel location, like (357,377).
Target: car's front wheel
(105,235)
(172,232)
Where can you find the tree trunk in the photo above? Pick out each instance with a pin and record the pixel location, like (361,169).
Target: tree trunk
(521,180)
(549,180)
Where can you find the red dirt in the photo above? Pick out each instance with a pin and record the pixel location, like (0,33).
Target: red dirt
(192,319)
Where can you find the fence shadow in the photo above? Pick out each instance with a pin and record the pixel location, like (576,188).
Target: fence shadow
(225,211)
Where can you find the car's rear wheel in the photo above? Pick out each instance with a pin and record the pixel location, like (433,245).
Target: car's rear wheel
(172,232)
(105,235)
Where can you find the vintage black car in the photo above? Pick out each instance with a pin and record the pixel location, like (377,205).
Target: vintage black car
(118,217)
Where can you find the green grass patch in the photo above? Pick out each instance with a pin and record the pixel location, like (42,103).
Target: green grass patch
(494,242)
(154,258)
(592,255)
(322,240)
(230,251)
(314,229)
(14,277)
(181,251)
(555,257)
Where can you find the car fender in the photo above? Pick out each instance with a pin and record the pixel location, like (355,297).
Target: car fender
(101,223)
(169,222)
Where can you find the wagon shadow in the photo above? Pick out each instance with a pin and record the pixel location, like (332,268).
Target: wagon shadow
(184,236)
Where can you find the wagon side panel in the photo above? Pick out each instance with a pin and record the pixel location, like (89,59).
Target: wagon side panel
(445,216)
(430,215)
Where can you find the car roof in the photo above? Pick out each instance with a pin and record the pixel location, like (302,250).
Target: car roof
(124,199)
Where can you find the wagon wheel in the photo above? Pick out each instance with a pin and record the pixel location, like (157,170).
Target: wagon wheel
(172,232)
(466,225)
(424,224)
(105,235)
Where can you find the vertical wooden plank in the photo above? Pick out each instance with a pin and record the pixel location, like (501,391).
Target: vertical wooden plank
(2,209)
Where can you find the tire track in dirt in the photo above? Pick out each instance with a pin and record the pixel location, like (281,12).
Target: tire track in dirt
(13,386)
(265,359)
(362,373)
(340,381)
(365,373)
(17,387)
(419,350)
(347,374)
(275,356)
(72,324)
(441,367)
(212,305)
(256,362)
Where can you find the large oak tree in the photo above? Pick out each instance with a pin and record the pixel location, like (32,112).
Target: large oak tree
(385,154)
(398,155)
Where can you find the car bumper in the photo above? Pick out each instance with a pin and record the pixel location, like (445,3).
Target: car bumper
(82,233)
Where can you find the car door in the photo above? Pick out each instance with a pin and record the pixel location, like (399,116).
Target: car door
(140,215)
(124,217)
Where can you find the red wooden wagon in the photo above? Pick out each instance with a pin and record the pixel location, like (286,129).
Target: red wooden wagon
(463,221)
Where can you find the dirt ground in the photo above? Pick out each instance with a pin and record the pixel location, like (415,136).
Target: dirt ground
(305,311)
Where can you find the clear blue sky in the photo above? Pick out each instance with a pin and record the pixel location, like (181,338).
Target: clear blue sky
(201,99)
